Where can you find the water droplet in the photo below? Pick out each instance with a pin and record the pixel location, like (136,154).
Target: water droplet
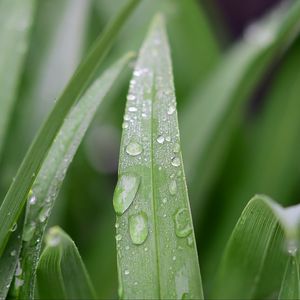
(126,272)
(132,109)
(171,110)
(14,227)
(13,253)
(117,225)
(190,240)
(134,149)
(173,187)
(182,223)
(127,117)
(135,283)
(125,125)
(18,282)
(174,257)
(175,161)
(28,231)
(31,198)
(164,200)
(118,237)
(292,247)
(125,192)
(127,248)
(131,97)
(176,148)
(44,213)
(138,228)
(146,249)
(168,138)
(160,139)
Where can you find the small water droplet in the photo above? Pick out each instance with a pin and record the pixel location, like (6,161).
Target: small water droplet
(125,192)
(126,272)
(28,231)
(175,161)
(292,247)
(176,148)
(125,125)
(182,223)
(168,138)
(44,213)
(127,248)
(135,283)
(131,97)
(14,227)
(117,225)
(146,249)
(134,149)
(160,139)
(127,117)
(132,109)
(31,198)
(174,257)
(190,240)
(173,187)
(164,200)
(171,110)
(138,228)
(13,253)
(118,237)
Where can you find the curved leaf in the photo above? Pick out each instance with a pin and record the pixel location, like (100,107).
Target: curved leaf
(61,273)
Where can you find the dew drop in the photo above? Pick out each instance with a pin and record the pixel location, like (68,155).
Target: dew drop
(14,227)
(160,139)
(126,272)
(174,257)
(164,200)
(176,148)
(131,97)
(125,192)
(190,240)
(117,225)
(125,125)
(134,149)
(127,117)
(44,213)
(132,109)
(13,253)
(31,198)
(292,247)
(171,110)
(28,231)
(118,237)
(173,187)
(175,161)
(182,223)
(168,138)
(138,228)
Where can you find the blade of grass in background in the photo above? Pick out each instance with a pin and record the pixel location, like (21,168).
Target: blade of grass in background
(51,175)
(61,273)
(215,109)
(269,163)
(254,239)
(156,250)
(16,18)
(16,196)
(57,43)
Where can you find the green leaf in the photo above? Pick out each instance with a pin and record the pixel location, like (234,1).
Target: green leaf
(256,249)
(51,175)
(61,273)
(290,288)
(18,191)
(16,18)
(157,255)
(215,110)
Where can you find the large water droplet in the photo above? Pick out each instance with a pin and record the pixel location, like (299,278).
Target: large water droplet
(183,225)
(173,187)
(28,231)
(125,192)
(138,228)
(134,149)
(175,161)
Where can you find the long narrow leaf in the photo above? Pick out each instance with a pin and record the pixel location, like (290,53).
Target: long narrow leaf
(61,274)
(51,175)
(17,194)
(155,240)
(215,108)
(16,18)
(266,235)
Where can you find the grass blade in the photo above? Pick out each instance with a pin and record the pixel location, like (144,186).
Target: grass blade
(61,274)
(18,191)
(219,102)
(51,175)
(257,237)
(16,18)
(157,256)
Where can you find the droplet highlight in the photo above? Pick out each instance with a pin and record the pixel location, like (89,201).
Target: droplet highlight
(173,187)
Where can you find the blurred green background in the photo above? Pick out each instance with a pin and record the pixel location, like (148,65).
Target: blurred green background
(263,148)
